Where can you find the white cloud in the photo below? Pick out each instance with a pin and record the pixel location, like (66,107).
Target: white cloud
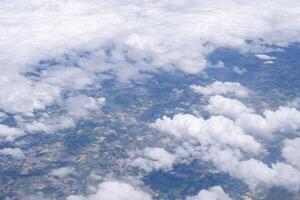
(269,62)
(239,70)
(51,27)
(113,190)
(218,140)
(213,193)
(283,120)
(228,107)
(2,116)
(16,153)
(224,88)
(87,38)
(48,124)
(19,94)
(153,159)
(286,176)
(265,57)
(291,152)
(62,172)
(75,108)
(217,130)
(9,133)
(254,172)
(254,124)
(66,77)
(47,29)
(80,106)
(126,37)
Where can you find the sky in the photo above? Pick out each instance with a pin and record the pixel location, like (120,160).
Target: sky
(51,50)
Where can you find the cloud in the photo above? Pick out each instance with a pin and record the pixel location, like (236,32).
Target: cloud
(220,141)
(264,57)
(227,107)
(74,108)
(255,124)
(239,70)
(9,133)
(53,47)
(50,29)
(284,120)
(16,153)
(62,172)
(217,130)
(48,124)
(68,77)
(213,193)
(254,172)
(226,144)
(153,159)
(113,190)
(267,59)
(224,88)
(291,151)
(2,116)
(294,103)
(18,94)
(53,27)
(269,62)
(286,176)
(80,106)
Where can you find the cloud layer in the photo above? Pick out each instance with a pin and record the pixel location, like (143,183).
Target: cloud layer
(116,36)
(53,50)
(213,193)
(113,190)
(228,139)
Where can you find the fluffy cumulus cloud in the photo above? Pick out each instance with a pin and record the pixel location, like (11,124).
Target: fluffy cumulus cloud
(228,107)
(154,159)
(16,153)
(284,120)
(254,172)
(217,130)
(291,151)
(9,133)
(222,88)
(113,190)
(220,141)
(213,193)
